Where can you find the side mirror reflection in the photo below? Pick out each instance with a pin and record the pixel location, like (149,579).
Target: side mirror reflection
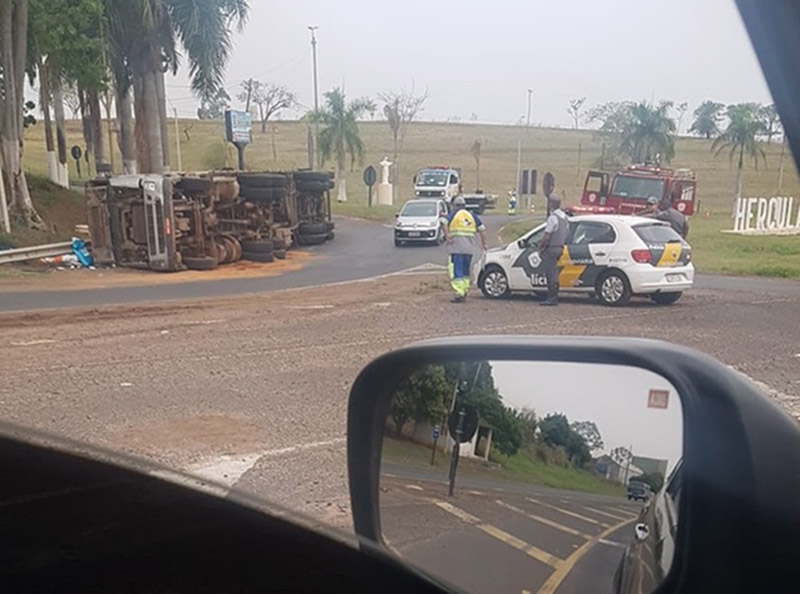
(533,466)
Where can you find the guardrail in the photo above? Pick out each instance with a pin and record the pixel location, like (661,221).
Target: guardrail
(35,252)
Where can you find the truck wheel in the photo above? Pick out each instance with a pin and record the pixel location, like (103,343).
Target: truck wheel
(331,225)
(262,180)
(258,256)
(194,184)
(262,194)
(278,244)
(330,236)
(614,289)
(280,254)
(206,263)
(313,229)
(313,187)
(311,176)
(262,246)
(314,239)
(666,298)
(494,283)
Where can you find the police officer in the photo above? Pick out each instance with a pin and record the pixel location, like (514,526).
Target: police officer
(552,246)
(677,220)
(460,228)
(512,202)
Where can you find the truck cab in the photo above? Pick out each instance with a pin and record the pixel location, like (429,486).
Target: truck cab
(628,191)
(438,182)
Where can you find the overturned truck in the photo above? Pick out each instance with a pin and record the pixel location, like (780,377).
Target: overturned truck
(175,222)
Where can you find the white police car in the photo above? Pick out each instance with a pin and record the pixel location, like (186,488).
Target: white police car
(611,256)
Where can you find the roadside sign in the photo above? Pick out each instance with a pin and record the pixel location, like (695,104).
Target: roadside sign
(436,432)
(76,153)
(238,127)
(469,425)
(527,182)
(370,177)
(658,399)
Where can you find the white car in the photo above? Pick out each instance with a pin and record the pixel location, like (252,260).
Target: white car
(611,256)
(419,221)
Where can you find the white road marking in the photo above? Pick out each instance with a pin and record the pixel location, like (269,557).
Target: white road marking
(414,487)
(611,543)
(326,306)
(125,385)
(33,342)
(223,472)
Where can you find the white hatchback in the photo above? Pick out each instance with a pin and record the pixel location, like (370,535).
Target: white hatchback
(611,256)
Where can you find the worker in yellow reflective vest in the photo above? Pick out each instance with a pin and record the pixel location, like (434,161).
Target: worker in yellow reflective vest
(460,230)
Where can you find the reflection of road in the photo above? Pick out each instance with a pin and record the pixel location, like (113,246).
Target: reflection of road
(505,540)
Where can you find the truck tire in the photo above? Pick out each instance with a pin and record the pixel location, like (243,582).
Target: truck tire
(313,228)
(278,244)
(262,180)
(258,256)
(206,263)
(313,187)
(331,235)
(262,246)
(280,254)
(263,194)
(194,184)
(315,239)
(311,176)
(331,225)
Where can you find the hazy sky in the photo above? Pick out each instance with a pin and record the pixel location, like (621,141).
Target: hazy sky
(614,397)
(481,57)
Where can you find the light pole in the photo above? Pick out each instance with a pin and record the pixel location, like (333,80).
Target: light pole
(528,124)
(316,90)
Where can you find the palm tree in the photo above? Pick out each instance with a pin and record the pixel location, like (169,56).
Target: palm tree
(707,117)
(739,138)
(144,36)
(340,136)
(649,133)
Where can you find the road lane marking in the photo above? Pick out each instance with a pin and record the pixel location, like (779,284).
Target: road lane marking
(611,543)
(414,487)
(567,512)
(33,342)
(612,516)
(545,521)
(563,570)
(501,535)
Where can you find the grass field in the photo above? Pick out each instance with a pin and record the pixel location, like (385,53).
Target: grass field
(517,468)
(566,153)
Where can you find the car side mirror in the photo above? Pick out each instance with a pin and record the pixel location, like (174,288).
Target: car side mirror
(397,215)
(520,448)
(415,180)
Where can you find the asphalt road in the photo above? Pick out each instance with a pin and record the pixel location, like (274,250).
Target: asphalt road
(361,249)
(505,538)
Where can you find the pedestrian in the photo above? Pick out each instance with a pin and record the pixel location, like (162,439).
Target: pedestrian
(460,229)
(677,220)
(552,246)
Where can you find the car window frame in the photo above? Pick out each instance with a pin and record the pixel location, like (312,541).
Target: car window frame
(575,225)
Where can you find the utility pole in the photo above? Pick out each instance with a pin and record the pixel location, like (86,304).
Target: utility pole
(528,124)
(5,222)
(177,139)
(316,90)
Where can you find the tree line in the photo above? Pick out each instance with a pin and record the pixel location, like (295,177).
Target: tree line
(427,396)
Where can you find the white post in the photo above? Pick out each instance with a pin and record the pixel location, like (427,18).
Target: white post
(178,140)
(519,166)
(4,220)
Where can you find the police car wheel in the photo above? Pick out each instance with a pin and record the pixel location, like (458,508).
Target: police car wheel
(494,283)
(614,289)
(665,298)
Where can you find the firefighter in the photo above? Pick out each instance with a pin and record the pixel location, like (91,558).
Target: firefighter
(460,228)
(512,202)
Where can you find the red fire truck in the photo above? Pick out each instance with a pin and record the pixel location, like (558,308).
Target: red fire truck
(628,191)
